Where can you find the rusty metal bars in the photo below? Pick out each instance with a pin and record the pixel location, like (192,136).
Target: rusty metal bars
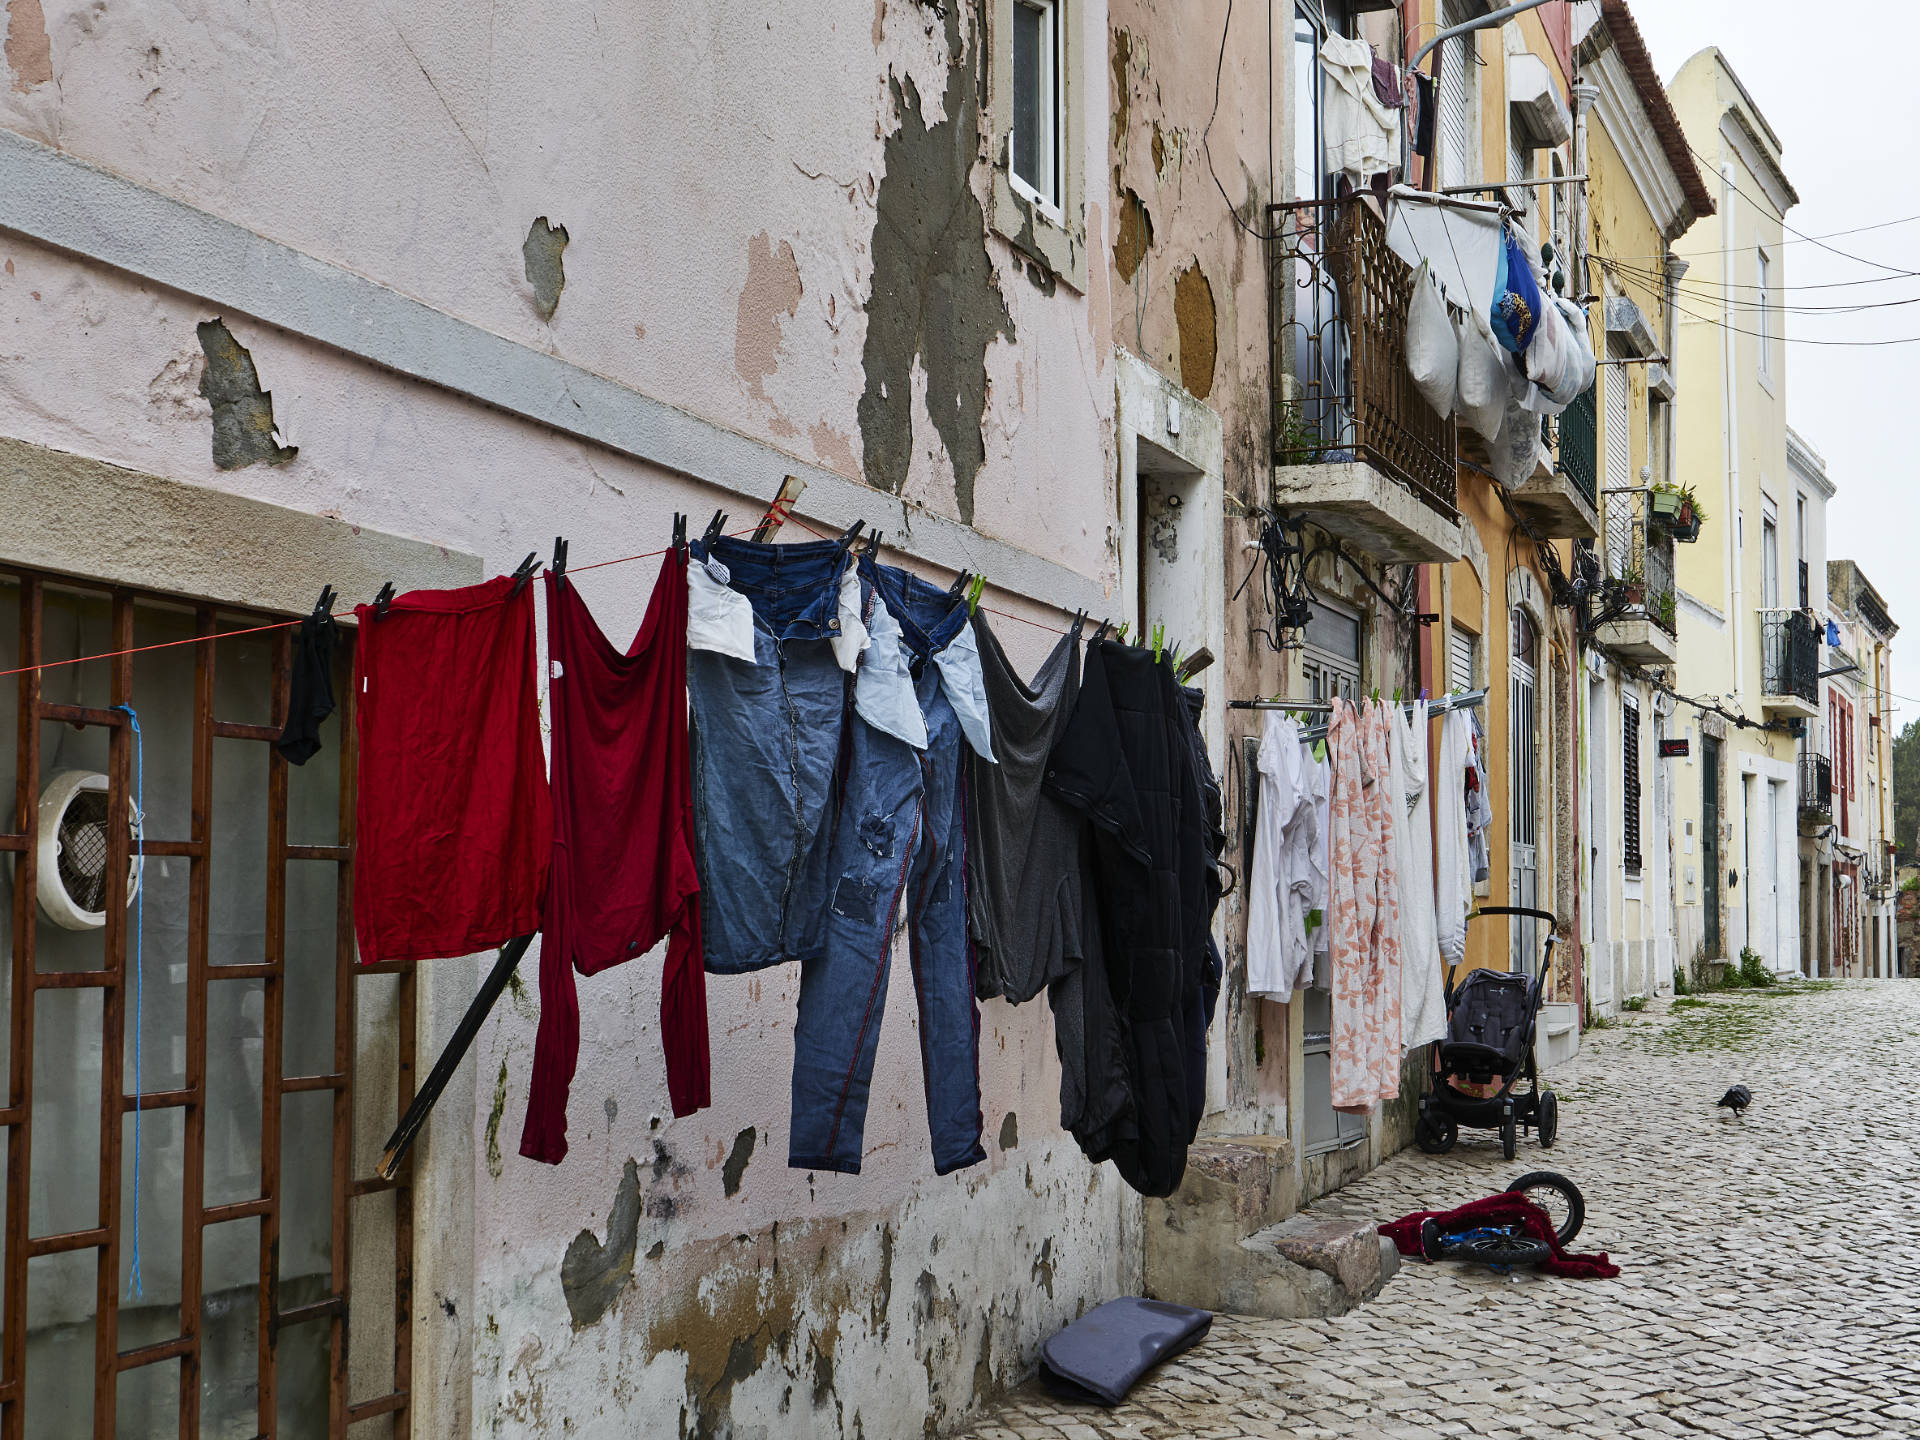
(104,1236)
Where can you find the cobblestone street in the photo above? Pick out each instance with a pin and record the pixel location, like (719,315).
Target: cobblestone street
(1769,1284)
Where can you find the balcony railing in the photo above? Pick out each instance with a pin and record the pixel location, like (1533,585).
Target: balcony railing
(1338,328)
(1579,458)
(1816,784)
(1639,556)
(1789,655)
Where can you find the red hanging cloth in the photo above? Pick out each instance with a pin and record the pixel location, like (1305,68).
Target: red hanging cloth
(623,871)
(453,828)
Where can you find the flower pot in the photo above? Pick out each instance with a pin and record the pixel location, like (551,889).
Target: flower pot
(1665,504)
(1636,594)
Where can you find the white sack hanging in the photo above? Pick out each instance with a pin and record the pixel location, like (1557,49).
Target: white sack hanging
(1482,386)
(1433,350)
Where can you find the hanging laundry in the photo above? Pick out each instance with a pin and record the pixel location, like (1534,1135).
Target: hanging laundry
(1453,876)
(901,831)
(1360,135)
(1199,1019)
(1423,115)
(1025,907)
(453,829)
(1280,884)
(1516,296)
(1319,777)
(1423,1005)
(1479,803)
(766,736)
(623,875)
(310,688)
(1387,84)
(1125,762)
(1366,925)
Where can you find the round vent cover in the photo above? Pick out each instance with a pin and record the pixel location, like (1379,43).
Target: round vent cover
(74,817)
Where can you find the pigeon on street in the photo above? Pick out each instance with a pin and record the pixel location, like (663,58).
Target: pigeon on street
(1737,1099)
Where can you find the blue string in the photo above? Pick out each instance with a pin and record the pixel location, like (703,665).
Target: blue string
(134,1285)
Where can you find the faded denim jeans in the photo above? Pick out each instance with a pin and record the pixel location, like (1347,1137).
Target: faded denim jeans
(901,832)
(766,740)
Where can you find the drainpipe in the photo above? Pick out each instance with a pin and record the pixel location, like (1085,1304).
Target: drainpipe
(1484,22)
(1729,428)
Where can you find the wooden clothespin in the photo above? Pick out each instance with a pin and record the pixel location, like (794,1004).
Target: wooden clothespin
(782,505)
(1186,669)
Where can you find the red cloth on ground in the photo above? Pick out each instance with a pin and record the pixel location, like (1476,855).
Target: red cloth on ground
(1505,1208)
(623,872)
(453,831)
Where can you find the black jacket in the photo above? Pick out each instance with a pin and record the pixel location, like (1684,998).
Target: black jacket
(1126,761)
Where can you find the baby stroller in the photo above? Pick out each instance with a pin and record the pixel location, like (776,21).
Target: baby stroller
(1490,1023)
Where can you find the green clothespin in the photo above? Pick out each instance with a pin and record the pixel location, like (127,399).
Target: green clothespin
(1121,633)
(975,589)
(1396,694)
(1159,637)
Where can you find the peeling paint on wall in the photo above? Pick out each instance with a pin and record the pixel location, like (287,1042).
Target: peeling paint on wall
(29,54)
(243,432)
(770,293)
(737,1159)
(495,1163)
(1194,314)
(934,295)
(1010,1132)
(541,254)
(593,1274)
(1134,237)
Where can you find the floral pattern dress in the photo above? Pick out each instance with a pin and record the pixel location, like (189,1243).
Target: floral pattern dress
(1365,919)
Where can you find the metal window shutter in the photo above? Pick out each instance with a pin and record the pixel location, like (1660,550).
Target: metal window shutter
(1630,782)
(1460,660)
(1620,505)
(1457,150)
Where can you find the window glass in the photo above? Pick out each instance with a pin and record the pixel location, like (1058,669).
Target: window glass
(1035,113)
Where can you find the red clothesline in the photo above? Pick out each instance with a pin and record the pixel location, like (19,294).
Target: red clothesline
(780,511)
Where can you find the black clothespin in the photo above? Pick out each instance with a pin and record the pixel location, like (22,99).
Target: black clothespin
(713,529)
(853,532)
(959,585)
(873,546)
(323,607)
(1079,619)
(680,536)
(525,572)
(559,565)
(383,600)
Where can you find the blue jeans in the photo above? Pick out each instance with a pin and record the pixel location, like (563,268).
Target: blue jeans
(766,740)
(901,832)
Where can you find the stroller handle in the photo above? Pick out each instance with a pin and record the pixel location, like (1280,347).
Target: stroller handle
(1546,915)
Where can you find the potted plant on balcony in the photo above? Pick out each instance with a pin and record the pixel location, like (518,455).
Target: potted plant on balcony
(1665,502)
(1665,609)
(1633,585)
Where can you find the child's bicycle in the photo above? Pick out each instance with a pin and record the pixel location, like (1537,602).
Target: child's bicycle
(1503,1247)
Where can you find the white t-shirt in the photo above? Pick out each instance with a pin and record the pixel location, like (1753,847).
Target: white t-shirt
(1286,850)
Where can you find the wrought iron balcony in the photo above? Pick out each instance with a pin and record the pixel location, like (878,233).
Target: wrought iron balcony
(1789,662)
(1354,443)
(1640,617)
(1816,785)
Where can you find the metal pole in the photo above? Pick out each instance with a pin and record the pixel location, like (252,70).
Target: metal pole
(1497,17)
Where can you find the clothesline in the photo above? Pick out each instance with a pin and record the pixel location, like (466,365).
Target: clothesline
(780,510)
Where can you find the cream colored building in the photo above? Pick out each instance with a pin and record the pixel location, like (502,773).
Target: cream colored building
(1643,192)
(1744,640)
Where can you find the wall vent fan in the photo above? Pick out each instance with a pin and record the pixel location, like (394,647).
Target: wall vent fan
(72,861)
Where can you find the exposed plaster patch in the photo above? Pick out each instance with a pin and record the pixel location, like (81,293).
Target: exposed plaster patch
(592,1275)
(243,431)
(771,291)
(834,450)
(879,16)
(1010,1132)
(1040,277)
(1159,150)
(737,1159)
(1193,312)
(177,386)
(1043,1266)
(934,295)
(1134,237)
(541,255)
(1123,103)
(29,53)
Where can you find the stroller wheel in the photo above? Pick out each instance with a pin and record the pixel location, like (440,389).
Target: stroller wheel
(1509,1134)
(1502,1250)
(1435,1134)
(1558,1196)
(1547,1118)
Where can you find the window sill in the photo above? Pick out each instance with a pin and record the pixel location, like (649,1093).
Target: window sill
(1041,232)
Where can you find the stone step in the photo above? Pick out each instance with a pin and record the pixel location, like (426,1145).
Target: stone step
(1229,1239)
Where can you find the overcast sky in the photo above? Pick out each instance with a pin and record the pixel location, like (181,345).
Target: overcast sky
(1848,117)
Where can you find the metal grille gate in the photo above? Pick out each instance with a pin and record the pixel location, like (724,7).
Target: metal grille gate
(275,1327)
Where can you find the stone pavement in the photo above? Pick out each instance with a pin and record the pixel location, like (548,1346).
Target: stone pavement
(1770,1281)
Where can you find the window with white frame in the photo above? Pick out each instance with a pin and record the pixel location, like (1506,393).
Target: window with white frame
(1763,288)
(1035,160)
